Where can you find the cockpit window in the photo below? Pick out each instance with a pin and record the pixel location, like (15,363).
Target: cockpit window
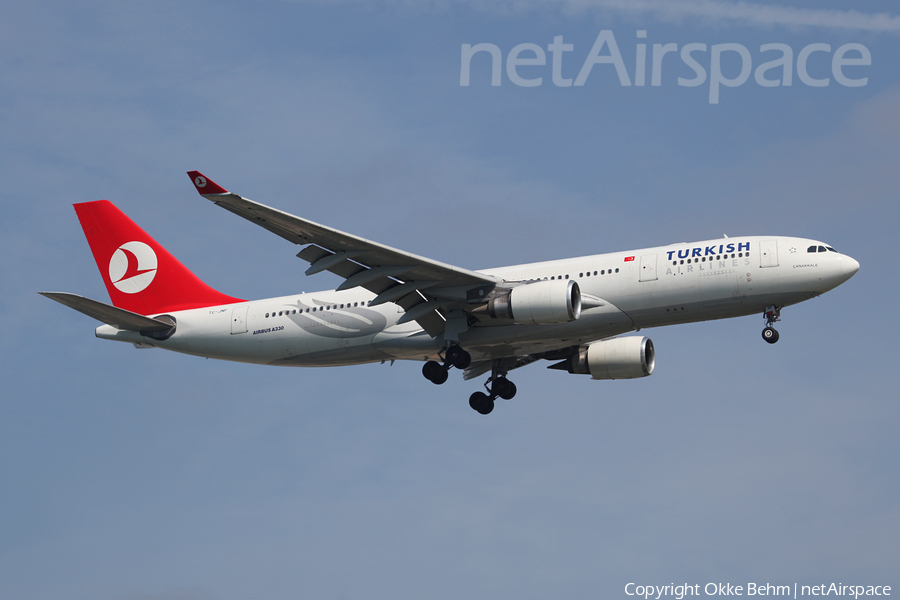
(811,249)
(830,249)
(822,249)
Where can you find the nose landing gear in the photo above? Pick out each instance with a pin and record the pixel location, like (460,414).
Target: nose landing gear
(772,315)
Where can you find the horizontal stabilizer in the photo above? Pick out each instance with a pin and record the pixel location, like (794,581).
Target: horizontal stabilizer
(117,317)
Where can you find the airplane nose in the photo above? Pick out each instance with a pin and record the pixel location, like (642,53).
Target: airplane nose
(850,266)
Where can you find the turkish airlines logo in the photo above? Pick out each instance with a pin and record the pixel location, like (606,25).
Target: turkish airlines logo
(629,259)
(200,182)
(132,267)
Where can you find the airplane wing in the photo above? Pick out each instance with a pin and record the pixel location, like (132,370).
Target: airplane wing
(117,317)
(419,285)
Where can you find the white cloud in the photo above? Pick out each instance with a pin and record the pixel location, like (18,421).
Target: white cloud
(744,13)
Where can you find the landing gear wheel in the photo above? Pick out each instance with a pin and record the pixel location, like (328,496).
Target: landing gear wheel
(434,372)
(504,388)
(481,403)
(458,357)
(770,335)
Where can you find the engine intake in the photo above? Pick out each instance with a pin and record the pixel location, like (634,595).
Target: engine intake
(538,303)
(619,358)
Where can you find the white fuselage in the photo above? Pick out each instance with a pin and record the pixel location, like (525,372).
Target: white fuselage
(679,283)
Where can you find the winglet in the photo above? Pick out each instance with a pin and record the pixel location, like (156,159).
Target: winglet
(205,186)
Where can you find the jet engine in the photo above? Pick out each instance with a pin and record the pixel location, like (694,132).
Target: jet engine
(619,358)
(538,303)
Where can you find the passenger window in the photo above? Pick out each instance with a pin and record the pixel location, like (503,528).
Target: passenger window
(617,270)
(567,275)
(267,315)
(581,274)
(552,278)
(595,272)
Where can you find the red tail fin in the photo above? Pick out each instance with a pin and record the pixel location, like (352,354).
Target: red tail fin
(140,275)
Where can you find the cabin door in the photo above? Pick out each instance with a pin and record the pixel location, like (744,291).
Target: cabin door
(648,267)
(239,319)
(768,253)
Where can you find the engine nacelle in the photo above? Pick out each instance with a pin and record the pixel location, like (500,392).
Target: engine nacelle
(619,358)
(538,303)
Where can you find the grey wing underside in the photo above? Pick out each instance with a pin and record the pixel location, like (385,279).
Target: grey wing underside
(505,365)
(421,286)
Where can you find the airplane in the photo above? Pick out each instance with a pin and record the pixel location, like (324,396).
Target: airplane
(393,305)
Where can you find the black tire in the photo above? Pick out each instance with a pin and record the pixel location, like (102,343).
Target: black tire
(481,403)
(463,361)
(452,354)
(434,372)
(458,357)
(504,388)
(770,335)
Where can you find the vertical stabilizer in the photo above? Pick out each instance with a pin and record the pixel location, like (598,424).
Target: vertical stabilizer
(140,275)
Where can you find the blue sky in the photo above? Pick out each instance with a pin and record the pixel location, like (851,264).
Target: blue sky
(129,474)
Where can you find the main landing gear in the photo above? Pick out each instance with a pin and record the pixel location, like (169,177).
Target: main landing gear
(772,315)
(454,356)
(497,385)
(500,387)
